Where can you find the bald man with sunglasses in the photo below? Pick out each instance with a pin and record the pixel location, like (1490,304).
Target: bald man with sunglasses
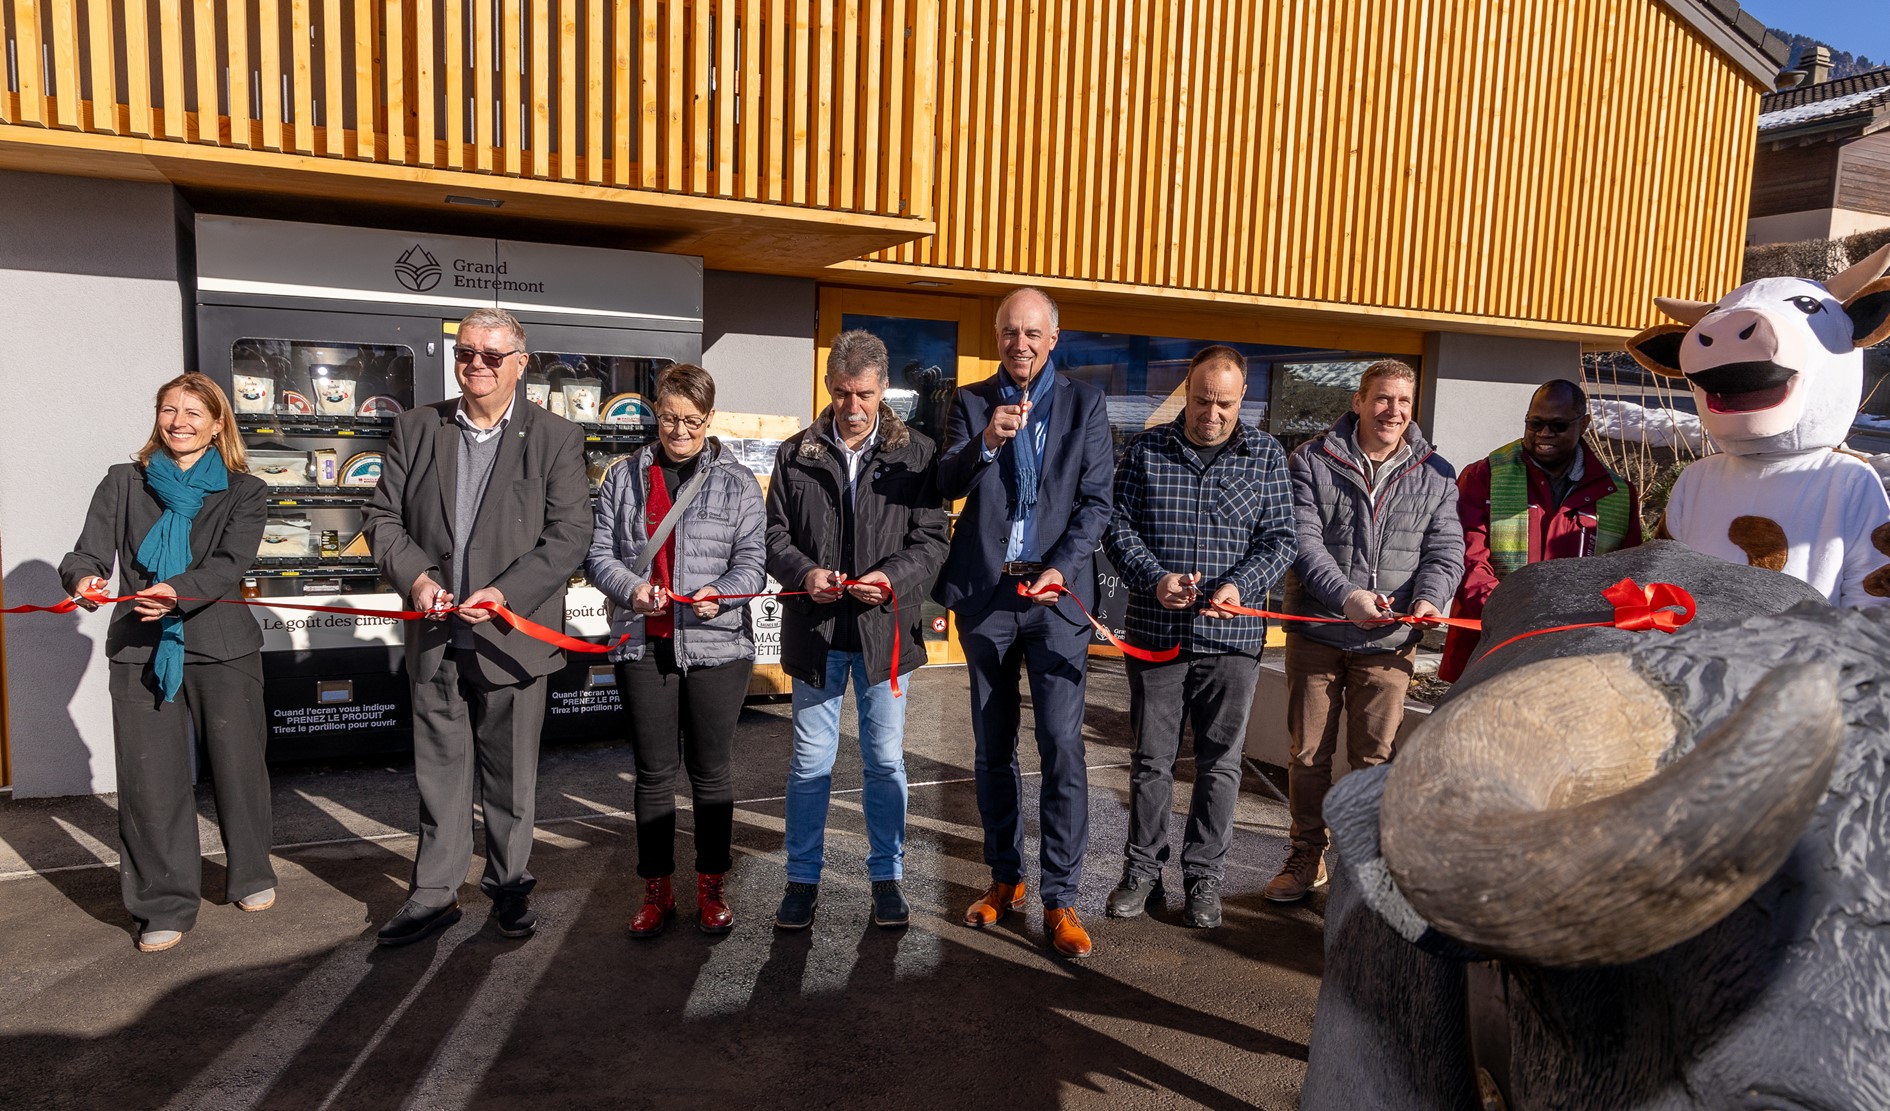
(1545,496)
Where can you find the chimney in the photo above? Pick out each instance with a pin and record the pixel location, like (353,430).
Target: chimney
(1787,79)
(1816,65)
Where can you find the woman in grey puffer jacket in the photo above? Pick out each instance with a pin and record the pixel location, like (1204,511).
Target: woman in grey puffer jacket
(684,671)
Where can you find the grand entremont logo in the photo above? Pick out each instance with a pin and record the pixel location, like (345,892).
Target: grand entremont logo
(417,270)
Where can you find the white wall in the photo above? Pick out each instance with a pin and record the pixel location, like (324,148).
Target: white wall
(94,324)
(1476,389)
(758,342)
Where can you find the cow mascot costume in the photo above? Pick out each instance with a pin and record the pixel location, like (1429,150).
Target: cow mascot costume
(1776,368)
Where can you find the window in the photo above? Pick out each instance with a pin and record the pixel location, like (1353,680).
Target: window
(320,378)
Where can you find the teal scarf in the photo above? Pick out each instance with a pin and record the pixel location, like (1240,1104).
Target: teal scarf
(165,552)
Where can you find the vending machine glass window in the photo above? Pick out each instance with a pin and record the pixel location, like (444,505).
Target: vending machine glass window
(309,378)
(595,389)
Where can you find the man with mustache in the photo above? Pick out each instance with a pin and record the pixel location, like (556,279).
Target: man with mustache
(1375,510)
(1204,518)
(1029,450)
(852,498)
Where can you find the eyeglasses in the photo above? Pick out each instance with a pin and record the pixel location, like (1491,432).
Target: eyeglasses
(487,359)
(691,423)
(1552,427)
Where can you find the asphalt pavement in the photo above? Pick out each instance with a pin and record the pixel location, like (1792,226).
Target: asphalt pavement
(296,1007)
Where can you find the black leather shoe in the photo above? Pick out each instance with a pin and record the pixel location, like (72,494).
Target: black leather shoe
(413,922)
(515,916)
(1204,902)
(890,908)
(1133,895)
(797,906)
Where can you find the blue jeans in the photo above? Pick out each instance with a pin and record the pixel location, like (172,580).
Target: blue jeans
(810,770)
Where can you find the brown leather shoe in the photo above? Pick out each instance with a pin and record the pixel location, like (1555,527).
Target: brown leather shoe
(1066,933)
(712,913)
(659,906)
(1305,869)
(990,906)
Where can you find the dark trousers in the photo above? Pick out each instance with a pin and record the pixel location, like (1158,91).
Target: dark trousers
(468,736)
(1214,693)
(1018,633)
(161,869)
(686,718)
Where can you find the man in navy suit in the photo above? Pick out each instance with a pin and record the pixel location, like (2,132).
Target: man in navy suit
(1029,451)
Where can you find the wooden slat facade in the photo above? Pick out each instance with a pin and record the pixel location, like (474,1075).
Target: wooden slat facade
(1555,161)
(714,98)
(1542,162)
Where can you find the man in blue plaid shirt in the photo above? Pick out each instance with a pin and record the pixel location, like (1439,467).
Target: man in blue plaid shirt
(1203,517)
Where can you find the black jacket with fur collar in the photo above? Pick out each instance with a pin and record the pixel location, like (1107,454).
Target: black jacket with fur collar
(899,528)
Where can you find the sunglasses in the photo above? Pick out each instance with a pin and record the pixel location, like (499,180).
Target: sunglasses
(487,359)
(1552,427)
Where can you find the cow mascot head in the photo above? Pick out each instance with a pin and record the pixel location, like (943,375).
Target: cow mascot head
(1776,368)
(1776,365)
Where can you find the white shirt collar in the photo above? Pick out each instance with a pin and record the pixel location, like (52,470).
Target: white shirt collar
(481,435)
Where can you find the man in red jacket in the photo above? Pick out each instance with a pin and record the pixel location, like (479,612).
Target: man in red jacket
(1545,496)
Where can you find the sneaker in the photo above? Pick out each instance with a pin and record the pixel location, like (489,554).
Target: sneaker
(156,941)
(890,908)
(1204,902)
(1305,869)
(259,901)
(1133,895)
(797,906)
(515,915)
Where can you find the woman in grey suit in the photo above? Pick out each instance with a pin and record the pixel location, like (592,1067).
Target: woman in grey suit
(182,522)
(684,671)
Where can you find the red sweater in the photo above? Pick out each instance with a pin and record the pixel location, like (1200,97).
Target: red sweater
(1564,532)
(663,623)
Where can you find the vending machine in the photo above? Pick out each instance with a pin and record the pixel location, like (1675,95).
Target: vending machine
(322,335)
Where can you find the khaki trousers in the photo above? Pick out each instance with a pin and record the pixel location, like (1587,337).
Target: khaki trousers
(1323,683)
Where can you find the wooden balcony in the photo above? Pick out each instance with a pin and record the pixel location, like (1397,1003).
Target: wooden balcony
(777,134)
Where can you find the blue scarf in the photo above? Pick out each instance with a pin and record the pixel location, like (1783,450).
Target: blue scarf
(165,552)
(1027,448)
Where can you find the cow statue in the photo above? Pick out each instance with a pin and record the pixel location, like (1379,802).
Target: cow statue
(1776,368)
(1624,870)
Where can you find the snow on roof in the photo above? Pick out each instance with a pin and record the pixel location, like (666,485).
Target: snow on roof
(1823,109)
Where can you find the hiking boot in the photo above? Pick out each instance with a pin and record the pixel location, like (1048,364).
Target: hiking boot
(1133,895)
(1305,869)
(1204,902)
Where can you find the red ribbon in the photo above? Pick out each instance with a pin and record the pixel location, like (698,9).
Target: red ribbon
(1662,607)
(891,596)
(1637,608)
(1161,656)
(523,624)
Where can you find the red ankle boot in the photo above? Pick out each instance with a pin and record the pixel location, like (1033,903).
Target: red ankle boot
(712,914)
(659,906)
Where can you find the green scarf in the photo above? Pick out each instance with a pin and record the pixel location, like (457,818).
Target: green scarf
(1509,511)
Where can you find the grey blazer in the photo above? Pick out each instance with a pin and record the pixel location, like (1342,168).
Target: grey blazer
(223,541)
(530,535)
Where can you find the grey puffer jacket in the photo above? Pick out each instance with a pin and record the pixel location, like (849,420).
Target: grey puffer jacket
(1409,545)
(721,545)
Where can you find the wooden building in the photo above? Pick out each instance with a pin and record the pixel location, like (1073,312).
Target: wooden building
(1822,169)
(1480,189)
